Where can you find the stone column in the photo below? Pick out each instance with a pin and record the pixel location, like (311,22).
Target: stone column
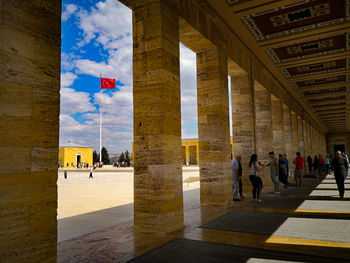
(263,126)
(277,126)
(158,198)
(295,142)
(243,119)
(187,154)
(213,129)
(300,136)
(30,40)
(288,136)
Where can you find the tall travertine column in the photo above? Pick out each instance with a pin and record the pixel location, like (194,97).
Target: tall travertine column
(288,135)
(295,141)
(158,202)
(277,126)
(30,40)
(263,125)
(300,136)
(242,118)
(213,129)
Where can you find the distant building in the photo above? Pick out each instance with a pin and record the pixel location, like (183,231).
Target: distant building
(190,153)
(71,154)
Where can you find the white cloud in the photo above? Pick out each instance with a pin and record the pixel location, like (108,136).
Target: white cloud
(75,101)
(117,119)
(109,24)
(67,79)
(118,66)
(107,21)
(70,9)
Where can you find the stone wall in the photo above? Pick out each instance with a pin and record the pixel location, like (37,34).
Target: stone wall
(29,126)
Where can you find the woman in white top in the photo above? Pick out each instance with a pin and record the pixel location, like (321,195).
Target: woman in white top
(254,175)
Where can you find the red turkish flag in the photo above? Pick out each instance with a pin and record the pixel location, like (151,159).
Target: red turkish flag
(107,83)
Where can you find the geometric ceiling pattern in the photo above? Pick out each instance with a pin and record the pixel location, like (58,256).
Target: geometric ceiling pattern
(305,43)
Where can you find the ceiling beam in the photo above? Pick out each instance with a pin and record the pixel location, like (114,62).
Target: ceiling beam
(338,119)
(332,114)
(327,86)
(326,102)
(316,59)
(323,117)
(257,6)
(325,111)
(305,36)
(330,107)
(320,75)
(326,95)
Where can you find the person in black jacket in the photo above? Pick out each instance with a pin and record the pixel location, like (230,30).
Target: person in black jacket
(340,164)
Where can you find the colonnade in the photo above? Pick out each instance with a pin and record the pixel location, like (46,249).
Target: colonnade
(29,117)
(262,121)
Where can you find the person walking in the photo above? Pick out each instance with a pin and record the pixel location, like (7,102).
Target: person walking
(65,174)
(90,176)
(254,175)
(339,167)
(236,176)
(240,172)
(327,162)
(321,163)
(287,163)
(299,169)
(347,167)
(274,171)
(316,165)
(309,163)
(282,172)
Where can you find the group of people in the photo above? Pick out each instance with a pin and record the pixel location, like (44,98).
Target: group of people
(280,171)
(65,173)
(319,165)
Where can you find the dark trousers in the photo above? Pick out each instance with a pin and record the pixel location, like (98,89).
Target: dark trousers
(340,183)
(240,188)
(327,168)
(310,168)
(256,182)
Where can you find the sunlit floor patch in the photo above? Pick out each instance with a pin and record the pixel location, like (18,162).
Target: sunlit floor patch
(330,193)
(314,229)
(324,206)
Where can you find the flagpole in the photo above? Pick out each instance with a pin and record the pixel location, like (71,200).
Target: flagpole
(100,122)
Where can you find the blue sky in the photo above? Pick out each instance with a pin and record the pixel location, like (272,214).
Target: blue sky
(97,39)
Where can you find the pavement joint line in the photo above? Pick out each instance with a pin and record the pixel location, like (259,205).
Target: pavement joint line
(297,211)
(329,188)
(270,242)
(320,197)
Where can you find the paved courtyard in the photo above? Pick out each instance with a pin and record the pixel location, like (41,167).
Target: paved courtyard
(88,205)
